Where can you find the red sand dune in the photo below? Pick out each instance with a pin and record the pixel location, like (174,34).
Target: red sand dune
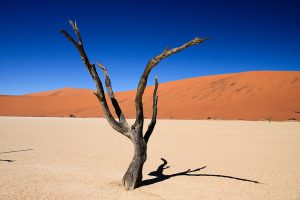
(247,96)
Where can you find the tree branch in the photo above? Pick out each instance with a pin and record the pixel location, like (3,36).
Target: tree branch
(144,78)
(154,114)
(166,53)
(69,38)
(112,95)
(121,128)
(77,33)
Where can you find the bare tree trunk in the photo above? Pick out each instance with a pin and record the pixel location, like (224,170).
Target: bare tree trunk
(134,174)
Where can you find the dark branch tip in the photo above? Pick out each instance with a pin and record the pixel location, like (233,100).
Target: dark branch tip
(97,95)
(166,50)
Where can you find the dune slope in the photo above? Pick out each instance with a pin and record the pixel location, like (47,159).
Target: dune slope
(246,96)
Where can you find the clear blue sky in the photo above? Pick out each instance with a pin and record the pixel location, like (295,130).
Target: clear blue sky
(124,35)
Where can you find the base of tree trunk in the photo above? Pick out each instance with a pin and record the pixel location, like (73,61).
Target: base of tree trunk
(134,174)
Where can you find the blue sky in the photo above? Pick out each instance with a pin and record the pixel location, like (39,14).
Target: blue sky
(124,35)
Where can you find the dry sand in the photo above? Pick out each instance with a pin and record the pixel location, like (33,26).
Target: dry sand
(249,96)
(64,158)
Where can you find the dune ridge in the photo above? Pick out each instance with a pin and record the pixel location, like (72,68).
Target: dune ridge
(255,95)
(67,91)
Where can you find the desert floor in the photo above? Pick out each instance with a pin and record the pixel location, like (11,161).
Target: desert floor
(66,158)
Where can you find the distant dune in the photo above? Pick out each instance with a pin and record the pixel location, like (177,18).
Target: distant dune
(244,96)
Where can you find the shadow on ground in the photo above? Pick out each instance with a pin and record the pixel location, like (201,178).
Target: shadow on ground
(7,160)
(5,152)
(159,176)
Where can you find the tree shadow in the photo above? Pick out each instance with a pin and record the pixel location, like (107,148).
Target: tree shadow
(15,151)
(7,160)
(5,152)
(159,176)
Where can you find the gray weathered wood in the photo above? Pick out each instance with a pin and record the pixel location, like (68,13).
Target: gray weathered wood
(100,91)
(111,95)
(154,113)
(150,65)
(134,174)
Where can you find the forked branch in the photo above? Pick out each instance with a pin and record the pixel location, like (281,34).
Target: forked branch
(133,176)
(150,65)
(111,94)
(166,53)
(118,126)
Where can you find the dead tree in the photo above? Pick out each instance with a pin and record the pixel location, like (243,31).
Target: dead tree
(133,176)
